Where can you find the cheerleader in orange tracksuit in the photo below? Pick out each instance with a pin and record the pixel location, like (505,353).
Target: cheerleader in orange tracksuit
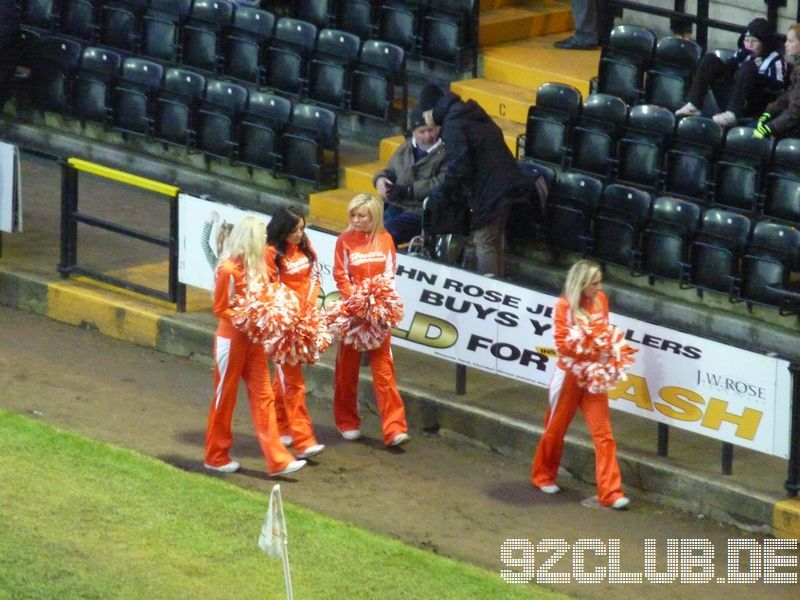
(363,251)
(582,298)
(292,261)
(235,357)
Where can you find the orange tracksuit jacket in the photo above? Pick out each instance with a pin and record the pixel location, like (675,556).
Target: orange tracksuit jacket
(358,257)
(565,396)
(289,388)
(236,357)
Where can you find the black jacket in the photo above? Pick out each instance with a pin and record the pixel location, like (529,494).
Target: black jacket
(480,167)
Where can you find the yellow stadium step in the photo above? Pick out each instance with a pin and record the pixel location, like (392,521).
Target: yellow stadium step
(530,63)
(499,99)
(388,146)
(522,21)
(359,177)
(511,131)
(328,208)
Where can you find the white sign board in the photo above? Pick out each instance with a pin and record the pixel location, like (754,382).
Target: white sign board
(10,197)
(679,379)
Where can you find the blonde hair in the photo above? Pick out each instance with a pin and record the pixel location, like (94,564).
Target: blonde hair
(374,207)
(246,241)
(578,277)
(796,29)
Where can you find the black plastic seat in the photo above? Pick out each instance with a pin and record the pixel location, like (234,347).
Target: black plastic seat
(288,54)
(319,12)
(310,146)
(40,13)
(260,130)
(119,25)
(770,258)
(449,29)
(134,94)
(716,250)
(79,19)
(218,116)
(782,188)
(356,16)
(571,205)
(246,41)
(641,148)
(175,106)
(668,233)
(618,226)
(623,62)
(398,25)
(159,32)
(380,72)
(331,67)
(57,59)
(739,170)
(557,107)
(94,82)
(674,63)
(592,144)
(689,163)
(203,34)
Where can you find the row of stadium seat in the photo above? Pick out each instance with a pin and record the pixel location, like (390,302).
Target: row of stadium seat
(645,147)
(751,259)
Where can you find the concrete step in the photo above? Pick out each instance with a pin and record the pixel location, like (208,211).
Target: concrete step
(388,146)
(328,209)
(358,178)
(504,100)
(530,63)
(521,21)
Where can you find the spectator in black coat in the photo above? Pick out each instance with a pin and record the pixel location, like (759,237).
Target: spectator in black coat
(481,171)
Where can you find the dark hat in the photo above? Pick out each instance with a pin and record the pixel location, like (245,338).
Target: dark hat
(415,118)
(758,28)
(429,96)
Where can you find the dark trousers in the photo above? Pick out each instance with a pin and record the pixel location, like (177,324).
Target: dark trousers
(738,91)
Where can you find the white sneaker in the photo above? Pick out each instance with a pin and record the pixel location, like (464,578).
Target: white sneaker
(725,119)
(550,489)
(621,503)
(286,440)
(293,466)
(399,439)
(311,451)
(352,434)
(687,110)
(231,467)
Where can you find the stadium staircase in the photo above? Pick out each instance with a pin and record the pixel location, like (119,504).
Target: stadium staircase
(516,56)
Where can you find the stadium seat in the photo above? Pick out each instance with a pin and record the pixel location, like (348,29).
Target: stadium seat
(623,62)
(380,71)
(260,130)
(668,232)
(398,25)
(175,106)
(203,34)
(40,13)
(618,225)
(356,16)
(310,146)
(570,208)
(674,63)
(592,144)
(330,69)
(739,171)
(159,31)
(641,148)
(288,54)
(245,44)
(557,107)
(782,188)
(93,83)
(119,24)
(78,20)
(689,163)
(217,118)
(319,12)
(715,252)
(134,94)
(57,59)
(449,28)
(767,265)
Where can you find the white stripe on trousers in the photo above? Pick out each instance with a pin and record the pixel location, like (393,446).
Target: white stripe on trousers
(554,391)
(222,354)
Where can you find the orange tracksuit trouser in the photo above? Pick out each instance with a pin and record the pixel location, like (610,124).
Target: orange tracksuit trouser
(384,383)
(292,415)
(565,398)
(236,358)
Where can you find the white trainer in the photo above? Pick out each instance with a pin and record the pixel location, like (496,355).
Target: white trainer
(286,440)
(231,467)
(311,451)
(725,119)
(687,110)
(400,439)
(293,466)
(621,503)
(352,434)
(550,489)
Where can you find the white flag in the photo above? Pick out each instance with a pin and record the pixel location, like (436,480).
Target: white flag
(273,538)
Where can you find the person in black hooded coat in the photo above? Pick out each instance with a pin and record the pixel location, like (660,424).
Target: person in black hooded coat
(481,171)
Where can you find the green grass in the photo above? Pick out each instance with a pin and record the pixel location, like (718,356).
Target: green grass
(81,519)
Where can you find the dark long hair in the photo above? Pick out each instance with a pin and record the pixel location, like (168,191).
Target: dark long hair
(279,227)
